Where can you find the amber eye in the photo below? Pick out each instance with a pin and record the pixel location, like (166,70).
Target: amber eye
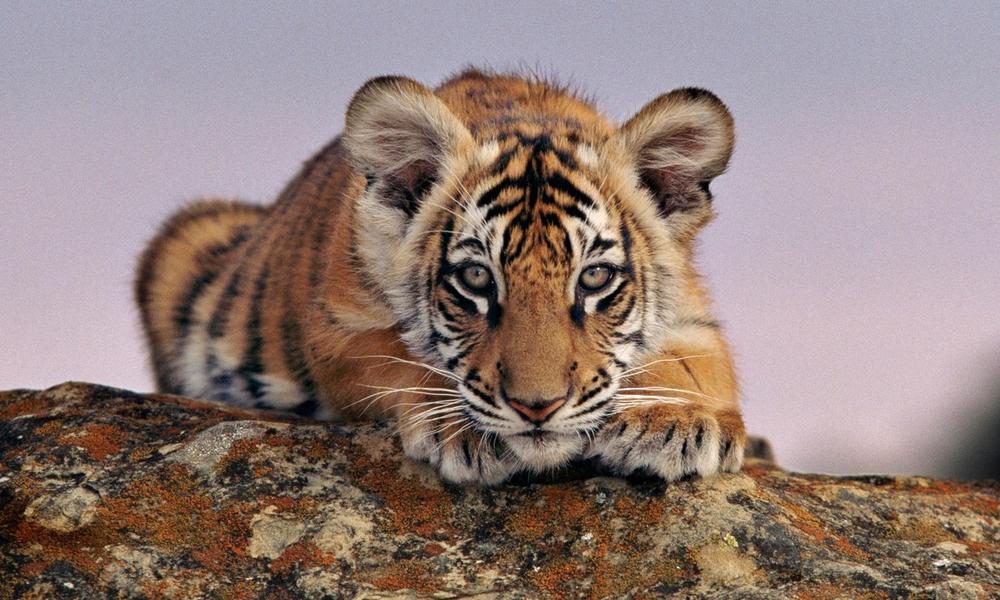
(596,278)
(477,278)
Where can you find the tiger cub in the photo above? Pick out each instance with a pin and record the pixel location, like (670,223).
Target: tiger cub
(494,263)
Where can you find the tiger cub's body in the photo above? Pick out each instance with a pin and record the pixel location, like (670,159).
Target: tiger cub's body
(493,263)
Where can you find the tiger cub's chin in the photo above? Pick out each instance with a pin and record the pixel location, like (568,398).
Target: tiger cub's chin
(545,453)
(490,255)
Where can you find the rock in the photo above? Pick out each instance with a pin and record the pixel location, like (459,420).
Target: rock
(108,493)
(64,511)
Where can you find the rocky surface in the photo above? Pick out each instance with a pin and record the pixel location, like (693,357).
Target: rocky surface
(107,493)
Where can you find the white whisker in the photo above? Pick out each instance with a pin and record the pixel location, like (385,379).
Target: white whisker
(631,372)
(461,429)
(433,369)
(666,389)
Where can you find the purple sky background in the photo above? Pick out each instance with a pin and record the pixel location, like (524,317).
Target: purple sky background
(855,263)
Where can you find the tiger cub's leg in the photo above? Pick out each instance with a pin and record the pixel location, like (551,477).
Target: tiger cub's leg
(448,441)
(679,417)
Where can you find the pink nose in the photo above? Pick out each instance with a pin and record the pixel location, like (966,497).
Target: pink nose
(539,412)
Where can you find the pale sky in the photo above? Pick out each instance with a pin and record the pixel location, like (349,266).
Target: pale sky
(855,263)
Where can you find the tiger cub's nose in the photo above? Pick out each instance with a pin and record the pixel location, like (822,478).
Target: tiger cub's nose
(538,411)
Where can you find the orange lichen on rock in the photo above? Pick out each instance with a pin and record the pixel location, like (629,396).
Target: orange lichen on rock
(303,555)
(30,404)
(433,549)
(558,511)
(49,427)
(413,507)
(240,449)
(99,441)
(647,512)
(241,590)
(408,574)
(553,578)
(170,508)
(83,548)
(636,571)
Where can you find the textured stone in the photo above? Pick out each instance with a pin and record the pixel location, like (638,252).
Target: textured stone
(107,493)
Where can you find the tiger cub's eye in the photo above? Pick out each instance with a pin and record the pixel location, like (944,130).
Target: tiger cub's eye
(477,277)
(596,277)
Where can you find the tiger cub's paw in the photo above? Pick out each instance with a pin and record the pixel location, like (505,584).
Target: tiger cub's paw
(461,457)
(671,441)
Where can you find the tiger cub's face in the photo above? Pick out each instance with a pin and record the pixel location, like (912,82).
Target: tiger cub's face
(534,264)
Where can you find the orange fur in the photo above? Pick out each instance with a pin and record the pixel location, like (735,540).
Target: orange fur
(346,287)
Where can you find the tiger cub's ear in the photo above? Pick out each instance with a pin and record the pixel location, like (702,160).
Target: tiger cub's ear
(679,142)
(399,133)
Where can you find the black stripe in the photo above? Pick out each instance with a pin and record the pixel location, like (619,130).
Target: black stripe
(543,143)
(500,209)
(483,411)
(604,303)
(445,311)
(626,235)
(598,245)
(670,434)
(597,406)
(636,337)
(573,211)
(703,186)
(458,357)
(559,183)
(577,312)
(220,316)
(292,346)
(253,363)
(490,195)
(306,408)
(488,399)
(456,335)
(690,373)
(567,242)
(494,313)
(509,254)
(500,165)
(550,219)
(184,310)
(183,320)
(471,243)
(466,452)
(443,248)
(460,300)
(626,313)
(593,392)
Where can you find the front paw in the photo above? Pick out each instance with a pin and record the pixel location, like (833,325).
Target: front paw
(461,454)
(671,441)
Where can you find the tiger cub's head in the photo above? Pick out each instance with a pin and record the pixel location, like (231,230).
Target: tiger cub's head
(529,247)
